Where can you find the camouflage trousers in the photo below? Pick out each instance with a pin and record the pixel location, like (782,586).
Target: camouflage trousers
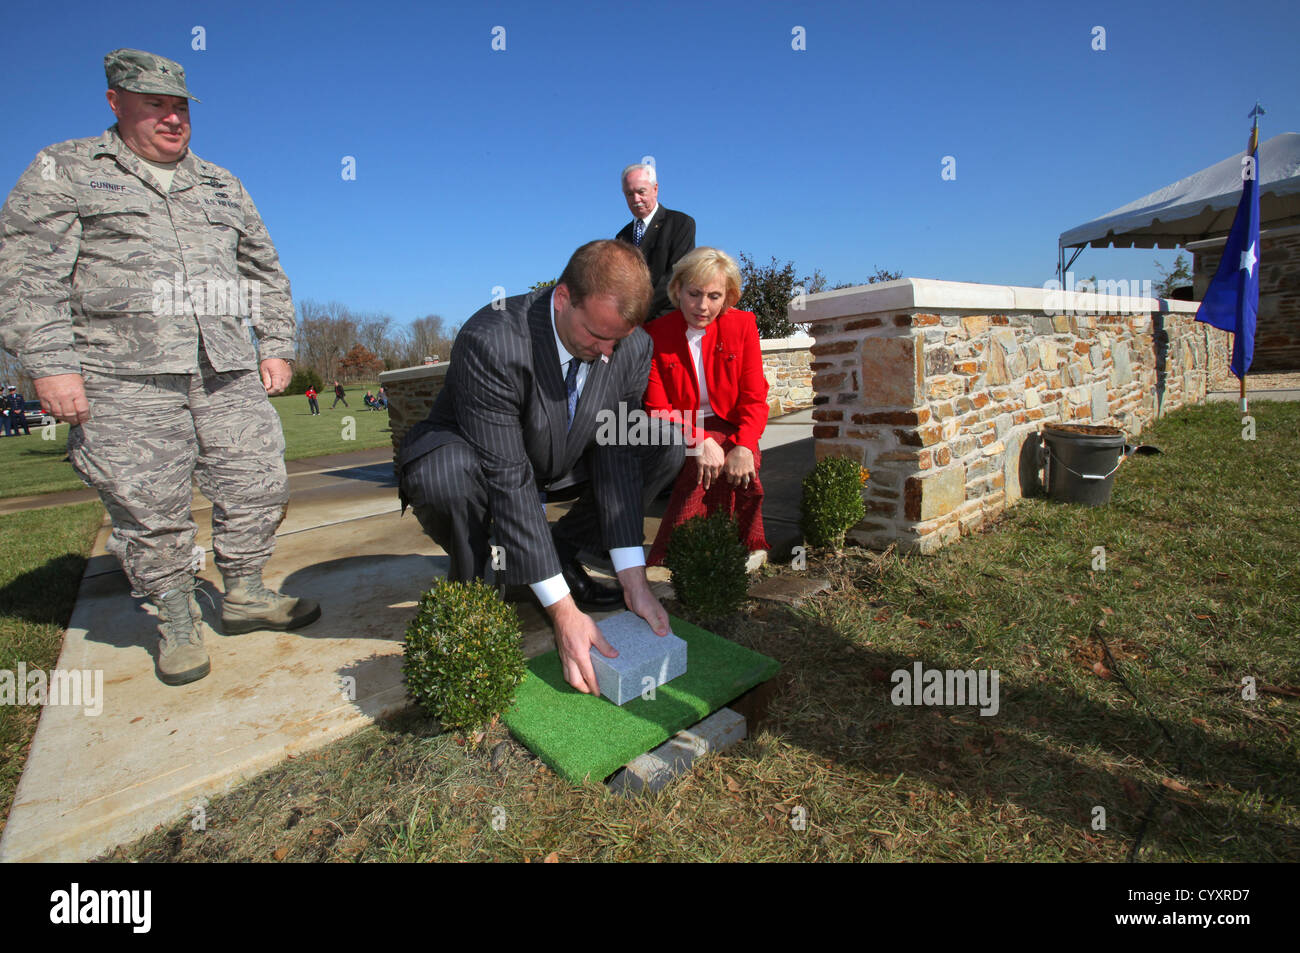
(147,437)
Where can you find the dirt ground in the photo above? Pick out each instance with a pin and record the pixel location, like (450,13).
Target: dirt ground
(1285,380)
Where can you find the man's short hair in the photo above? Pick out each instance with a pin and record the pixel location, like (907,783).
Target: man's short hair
(645,167)
(701,265)
(610,267)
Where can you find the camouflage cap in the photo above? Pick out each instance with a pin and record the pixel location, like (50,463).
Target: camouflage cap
(139,72)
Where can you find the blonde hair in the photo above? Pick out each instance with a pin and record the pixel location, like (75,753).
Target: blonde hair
(702,265)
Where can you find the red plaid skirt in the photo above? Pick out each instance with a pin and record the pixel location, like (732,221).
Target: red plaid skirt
(690,499)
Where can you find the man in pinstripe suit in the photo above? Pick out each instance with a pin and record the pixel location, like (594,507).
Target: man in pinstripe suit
(516,423)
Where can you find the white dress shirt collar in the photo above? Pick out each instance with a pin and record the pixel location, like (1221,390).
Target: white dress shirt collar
(564,354)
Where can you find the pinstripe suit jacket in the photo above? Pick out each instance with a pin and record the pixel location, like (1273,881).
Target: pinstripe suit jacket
(504,396)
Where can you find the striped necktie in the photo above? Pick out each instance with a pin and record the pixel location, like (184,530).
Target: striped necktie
(571,387)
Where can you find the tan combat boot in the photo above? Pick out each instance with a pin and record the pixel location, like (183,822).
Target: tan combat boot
(249,606)
(181,655)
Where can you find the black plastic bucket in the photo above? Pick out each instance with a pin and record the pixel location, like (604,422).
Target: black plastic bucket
(1081,462)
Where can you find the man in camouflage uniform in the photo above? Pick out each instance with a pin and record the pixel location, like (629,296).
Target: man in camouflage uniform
(130,274)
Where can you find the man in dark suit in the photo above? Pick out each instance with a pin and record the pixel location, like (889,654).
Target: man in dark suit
(532,381)
(663,235)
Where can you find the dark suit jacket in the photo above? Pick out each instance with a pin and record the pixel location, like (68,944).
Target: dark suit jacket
(669,236)
(504,396)
(733,369)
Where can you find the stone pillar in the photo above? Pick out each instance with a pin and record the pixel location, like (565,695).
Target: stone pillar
(940,389)
(789,377)
(411,392)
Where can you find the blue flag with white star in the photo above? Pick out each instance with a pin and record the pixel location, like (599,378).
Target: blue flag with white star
(1232,299)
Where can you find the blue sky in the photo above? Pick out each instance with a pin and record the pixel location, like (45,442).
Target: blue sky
(477,168)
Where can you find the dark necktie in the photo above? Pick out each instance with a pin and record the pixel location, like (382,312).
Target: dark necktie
(571,387)
(638,232)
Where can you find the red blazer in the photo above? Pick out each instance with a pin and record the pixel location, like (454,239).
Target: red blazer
(733,370)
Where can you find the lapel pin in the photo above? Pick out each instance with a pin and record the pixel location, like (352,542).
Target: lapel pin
(604,359)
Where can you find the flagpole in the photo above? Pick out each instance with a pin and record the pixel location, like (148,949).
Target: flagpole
(1231,301)
(1251,146)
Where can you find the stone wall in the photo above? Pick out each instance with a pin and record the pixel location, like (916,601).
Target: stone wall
(941,388)
(1277,331)
(786,365)
(411,392)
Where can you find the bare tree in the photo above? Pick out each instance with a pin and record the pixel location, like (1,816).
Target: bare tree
(373,330)
(11,372)
(326,332)
(393,349)
(429,337)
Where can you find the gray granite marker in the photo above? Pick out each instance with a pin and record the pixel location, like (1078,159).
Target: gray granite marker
(641,655)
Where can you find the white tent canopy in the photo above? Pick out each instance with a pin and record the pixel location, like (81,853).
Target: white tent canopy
(1201,205)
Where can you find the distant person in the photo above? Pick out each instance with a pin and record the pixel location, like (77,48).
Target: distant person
(370,402)
(708,369)
(18,411)
(338,396)
(663,235)
(6,424)
(157,397)
(311,401)
(382,398)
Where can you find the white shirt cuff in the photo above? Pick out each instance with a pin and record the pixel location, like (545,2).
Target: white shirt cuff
(550,591)
(627,557)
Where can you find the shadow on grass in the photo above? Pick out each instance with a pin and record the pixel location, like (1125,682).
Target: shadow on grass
(45,594)
(1048,749)
(50,450)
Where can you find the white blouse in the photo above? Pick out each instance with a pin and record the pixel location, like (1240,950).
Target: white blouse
(695,341)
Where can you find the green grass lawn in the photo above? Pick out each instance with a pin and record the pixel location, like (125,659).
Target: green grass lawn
(45,553)
(341,430)
(1121,689)
(33,465)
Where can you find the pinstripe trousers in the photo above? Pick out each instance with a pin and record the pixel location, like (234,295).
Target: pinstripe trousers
(451,501)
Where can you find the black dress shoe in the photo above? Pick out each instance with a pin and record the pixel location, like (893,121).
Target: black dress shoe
(590,595)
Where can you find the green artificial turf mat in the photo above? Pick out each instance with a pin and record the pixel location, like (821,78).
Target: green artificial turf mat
(588,736)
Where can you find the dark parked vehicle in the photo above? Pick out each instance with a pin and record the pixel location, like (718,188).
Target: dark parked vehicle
(35,416)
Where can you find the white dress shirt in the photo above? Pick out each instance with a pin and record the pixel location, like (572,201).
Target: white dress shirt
(552,590)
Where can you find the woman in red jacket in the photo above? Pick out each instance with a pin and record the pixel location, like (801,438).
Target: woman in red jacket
(708,371)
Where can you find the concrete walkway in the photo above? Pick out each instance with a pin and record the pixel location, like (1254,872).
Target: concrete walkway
(94,781)
(308,465)
(1220,396)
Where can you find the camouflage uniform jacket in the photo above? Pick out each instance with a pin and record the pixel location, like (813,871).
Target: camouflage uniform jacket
(100,268)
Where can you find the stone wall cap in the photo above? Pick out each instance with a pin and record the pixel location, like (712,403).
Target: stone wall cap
(930,294)
(414,373)
(796,342)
